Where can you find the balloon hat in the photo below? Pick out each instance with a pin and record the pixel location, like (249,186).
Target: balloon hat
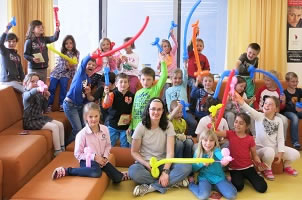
(12,23)
(156,43)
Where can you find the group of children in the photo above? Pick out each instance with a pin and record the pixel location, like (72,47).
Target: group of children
(120,108)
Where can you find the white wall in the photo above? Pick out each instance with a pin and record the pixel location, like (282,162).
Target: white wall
(3,15)
(81,20)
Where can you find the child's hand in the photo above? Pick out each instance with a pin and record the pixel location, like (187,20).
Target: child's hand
(298,109)
(282,99)
(36,60)
(46,94)
(87,90)
(189,137)
(238,98)
(124,59)
(106,89)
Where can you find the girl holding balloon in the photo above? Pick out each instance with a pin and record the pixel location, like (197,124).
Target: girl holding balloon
(210,174)
(243,150)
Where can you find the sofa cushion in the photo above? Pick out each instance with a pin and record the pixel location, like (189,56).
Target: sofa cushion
(1,178)
(17,128)
(123,157)
(70,187)
(19,155)
(11,111)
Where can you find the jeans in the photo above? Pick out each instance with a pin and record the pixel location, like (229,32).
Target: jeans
(53,86)
(74,114)
(192,124)
(294,125)
(183,149)
(116,134)
(95,171)
(203,189)
(139,174)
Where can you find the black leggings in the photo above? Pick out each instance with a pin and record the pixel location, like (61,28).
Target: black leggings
(257,181)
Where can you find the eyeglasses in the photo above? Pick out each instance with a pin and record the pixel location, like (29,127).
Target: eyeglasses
(156,109)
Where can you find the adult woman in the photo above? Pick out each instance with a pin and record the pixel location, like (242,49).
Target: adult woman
(154,137)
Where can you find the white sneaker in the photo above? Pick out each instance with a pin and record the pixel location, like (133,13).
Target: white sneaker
(141,190)
(184,183)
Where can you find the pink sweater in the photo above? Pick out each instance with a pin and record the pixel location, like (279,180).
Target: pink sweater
(99,143)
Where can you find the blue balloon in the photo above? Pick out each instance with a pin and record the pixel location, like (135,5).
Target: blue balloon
(184,108)
(185,53)
(173,25)
(106,74)
(156,43)
(218,86)
(299,104)
(12,22)
(252,71)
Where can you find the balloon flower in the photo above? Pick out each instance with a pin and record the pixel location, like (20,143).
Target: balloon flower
(41,86)
(12,23)
(184,108)
(88,156)
(156,43)
(56,9)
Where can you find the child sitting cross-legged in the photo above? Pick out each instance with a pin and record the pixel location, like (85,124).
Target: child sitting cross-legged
(183,142)
(210,175)
(92,141)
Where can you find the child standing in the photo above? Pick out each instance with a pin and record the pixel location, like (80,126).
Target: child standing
(148,91)
(294,113)
(119,104)
(179,92)
(192,66)
(35,100)
(210,174)
(243,151)
(183,142)
(243,63)
(129,65)
(270,137)
(78,94)
(110,61)
(63,71)
(11,72)
(35,48)
(92,141)
(169,53)
(270,89)
(200,94)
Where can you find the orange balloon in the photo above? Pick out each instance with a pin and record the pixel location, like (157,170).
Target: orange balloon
(195,28)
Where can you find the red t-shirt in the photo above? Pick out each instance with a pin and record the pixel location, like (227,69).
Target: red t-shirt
(240,150)
(192,66)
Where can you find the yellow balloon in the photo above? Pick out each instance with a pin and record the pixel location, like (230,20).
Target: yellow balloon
(213,109)
(72,61)
(154,163)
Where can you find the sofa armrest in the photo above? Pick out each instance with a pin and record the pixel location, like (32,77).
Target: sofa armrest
(1,176)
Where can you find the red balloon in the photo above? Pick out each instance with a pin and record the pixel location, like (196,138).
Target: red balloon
(127,43)
(224,99)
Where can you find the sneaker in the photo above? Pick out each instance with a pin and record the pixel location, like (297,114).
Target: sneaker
(183,183)
(268,174)
(141,190)
(61,108)
(290,171)
(58,173)
(297,146)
